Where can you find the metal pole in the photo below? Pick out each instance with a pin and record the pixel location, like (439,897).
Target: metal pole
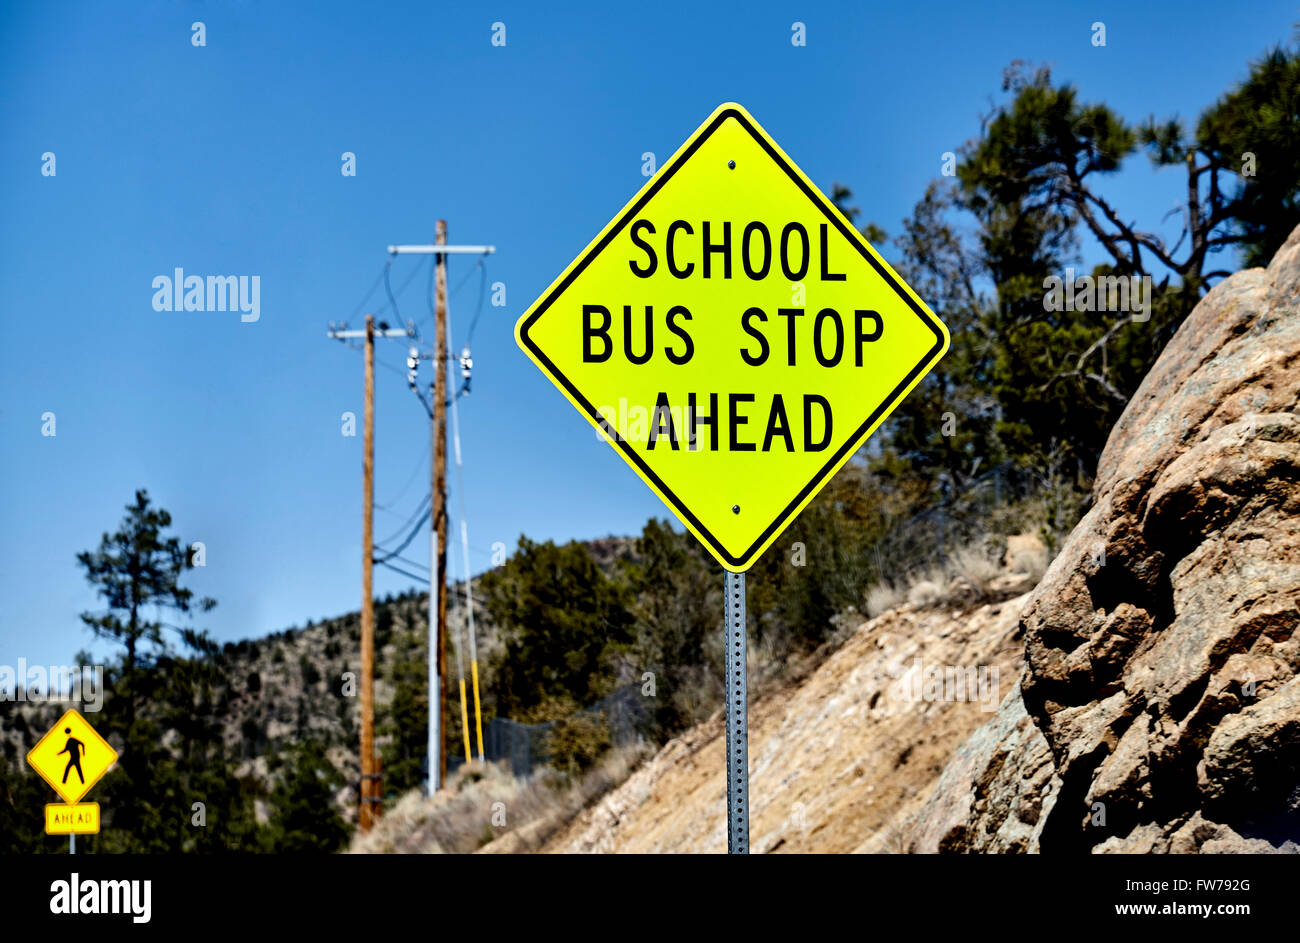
(460,496)
(469,599)
(737,716)
(72,844)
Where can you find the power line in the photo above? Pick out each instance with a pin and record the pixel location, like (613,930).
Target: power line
(461,284)
(482,601)
(381,278)
(419,464)
(482,293)
(411,576)
(409,537)
(418,564)
(420,509)
(344,336)
(392,300)
(390,368)
(360,307)
(464,359)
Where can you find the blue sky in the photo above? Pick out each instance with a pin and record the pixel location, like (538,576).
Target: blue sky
(226,160)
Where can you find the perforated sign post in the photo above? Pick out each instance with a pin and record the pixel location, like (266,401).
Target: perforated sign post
(736,340)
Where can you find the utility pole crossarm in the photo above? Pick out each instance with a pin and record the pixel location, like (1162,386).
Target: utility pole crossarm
(391,332)
(441,250)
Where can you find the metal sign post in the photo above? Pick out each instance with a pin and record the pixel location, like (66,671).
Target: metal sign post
(737,716)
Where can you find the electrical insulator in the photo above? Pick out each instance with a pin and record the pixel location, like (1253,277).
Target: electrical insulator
(466,363)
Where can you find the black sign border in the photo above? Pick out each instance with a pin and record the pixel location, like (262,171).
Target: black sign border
(818,480)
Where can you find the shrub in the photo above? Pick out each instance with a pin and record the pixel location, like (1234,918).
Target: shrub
(883,597)
(925,592)
(576,743)
(975,565)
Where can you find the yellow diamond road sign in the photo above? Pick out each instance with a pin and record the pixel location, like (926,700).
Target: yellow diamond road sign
(733,336)
(72,757)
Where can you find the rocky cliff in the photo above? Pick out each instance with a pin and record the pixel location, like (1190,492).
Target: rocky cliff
(1160,707)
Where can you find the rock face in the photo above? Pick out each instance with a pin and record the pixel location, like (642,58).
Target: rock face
(1161,646)
(995,794)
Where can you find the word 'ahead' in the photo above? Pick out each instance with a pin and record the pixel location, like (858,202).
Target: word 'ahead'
(757,337)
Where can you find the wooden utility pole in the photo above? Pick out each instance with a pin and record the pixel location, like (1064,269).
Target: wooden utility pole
(370,790)
(438,712)
(367,597)
(440,486)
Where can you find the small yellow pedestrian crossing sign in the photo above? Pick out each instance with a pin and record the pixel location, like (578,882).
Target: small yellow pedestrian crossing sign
(72,757)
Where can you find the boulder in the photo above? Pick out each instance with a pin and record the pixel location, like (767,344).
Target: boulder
(1161,703)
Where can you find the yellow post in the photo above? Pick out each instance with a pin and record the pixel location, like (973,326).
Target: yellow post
(464,720)
(478,714)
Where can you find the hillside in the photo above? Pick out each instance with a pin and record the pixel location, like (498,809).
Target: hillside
(1144,696)
(837,761)
(288,687)
(1151,678)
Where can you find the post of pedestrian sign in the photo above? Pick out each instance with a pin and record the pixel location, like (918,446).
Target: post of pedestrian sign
(737,341)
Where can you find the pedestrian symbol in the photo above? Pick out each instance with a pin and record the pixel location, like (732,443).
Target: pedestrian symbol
(74,748)
(72,757)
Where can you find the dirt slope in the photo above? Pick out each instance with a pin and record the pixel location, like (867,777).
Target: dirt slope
(836,761)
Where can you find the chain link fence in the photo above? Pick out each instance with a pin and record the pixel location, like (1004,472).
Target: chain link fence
(960,517)
(524,746)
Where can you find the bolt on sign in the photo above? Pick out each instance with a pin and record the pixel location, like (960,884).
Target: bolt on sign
(72,757)
(733,336)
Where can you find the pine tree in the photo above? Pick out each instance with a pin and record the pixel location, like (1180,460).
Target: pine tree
(304,818)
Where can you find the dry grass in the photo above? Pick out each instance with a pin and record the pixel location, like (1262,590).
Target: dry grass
(883,597)
(1027,555)
(966,577)
(928,591)
(976,564)
(464,816)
